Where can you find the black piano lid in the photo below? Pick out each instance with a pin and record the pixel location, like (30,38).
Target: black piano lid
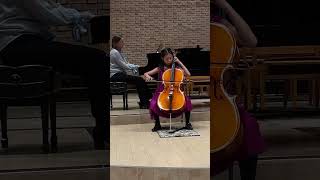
(197,60)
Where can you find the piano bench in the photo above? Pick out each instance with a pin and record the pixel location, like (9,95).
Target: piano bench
(119,88)
(29,85)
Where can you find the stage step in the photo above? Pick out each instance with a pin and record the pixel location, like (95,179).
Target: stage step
(200,112)
(284,169)
(96,173)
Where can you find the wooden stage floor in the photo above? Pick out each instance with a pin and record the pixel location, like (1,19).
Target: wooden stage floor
(140,153)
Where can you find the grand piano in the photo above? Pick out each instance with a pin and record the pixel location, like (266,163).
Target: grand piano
(197,60)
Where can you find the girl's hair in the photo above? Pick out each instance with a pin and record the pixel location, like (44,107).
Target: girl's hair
(166,51)
(115,40)
(163,53)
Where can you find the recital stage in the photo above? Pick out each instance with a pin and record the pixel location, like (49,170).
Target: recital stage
(138,153)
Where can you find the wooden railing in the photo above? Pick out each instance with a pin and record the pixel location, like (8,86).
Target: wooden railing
(265,59)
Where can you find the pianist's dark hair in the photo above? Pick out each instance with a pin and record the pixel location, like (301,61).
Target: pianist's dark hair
(115,40)
(163,53)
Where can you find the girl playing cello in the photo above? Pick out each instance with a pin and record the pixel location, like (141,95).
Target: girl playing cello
(168,58)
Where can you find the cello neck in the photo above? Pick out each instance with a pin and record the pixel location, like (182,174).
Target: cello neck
(172,70)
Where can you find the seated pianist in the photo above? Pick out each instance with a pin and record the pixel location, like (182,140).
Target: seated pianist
(119,67)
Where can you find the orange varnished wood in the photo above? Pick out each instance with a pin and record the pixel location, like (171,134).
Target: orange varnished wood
(178,99)
(225,126)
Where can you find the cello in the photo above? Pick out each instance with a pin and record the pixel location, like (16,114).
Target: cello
(172,99)
(225,126)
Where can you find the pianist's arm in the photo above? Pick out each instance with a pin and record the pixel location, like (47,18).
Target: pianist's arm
(117,59)
(51,13)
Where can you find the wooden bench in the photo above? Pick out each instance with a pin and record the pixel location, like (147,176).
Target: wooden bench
(202,83)
(264,59)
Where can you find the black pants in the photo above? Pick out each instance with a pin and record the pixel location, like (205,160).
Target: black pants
(90,63)
(187,116)
(248,168)
(142,88)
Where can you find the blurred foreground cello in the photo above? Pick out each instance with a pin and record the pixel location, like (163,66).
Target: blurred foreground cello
(225,125)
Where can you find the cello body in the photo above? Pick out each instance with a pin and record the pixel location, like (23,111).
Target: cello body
(172,84)
(225,125)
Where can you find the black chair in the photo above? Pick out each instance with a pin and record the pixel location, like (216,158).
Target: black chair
(119,88)
(29,85)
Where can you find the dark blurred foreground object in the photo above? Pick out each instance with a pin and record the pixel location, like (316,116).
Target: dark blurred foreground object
(29,85)
(99,29)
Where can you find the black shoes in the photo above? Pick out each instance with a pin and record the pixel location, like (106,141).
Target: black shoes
(156,127)
(189,126)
